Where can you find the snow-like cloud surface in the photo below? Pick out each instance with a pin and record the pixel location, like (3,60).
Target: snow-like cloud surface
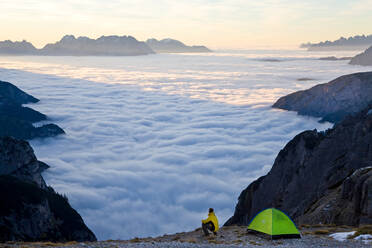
(153,142)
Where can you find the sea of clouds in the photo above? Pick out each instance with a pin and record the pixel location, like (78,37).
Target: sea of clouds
(153,141)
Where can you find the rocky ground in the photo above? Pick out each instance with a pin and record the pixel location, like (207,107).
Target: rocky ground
(232,236)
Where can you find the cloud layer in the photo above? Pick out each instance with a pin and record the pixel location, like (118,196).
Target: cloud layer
(153,142)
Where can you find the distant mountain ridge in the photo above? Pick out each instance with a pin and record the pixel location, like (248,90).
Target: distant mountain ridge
(112,45)
(174,46)
(17,47)
(104,45)
(358,42)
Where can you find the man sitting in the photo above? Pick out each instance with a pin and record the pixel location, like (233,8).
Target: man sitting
(210,224)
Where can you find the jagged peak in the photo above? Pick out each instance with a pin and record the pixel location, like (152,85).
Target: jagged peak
(68,37)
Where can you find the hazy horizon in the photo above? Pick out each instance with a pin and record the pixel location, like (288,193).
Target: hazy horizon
(221,24)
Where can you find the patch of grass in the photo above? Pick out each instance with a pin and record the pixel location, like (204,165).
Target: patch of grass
(241,235)
(45,244)
(176,238)
(364,229)
(135,240)
(192,241)
(345,227)
(210,237)
(323,225)
(238,241)
(321,232)
(71,243)
(229,227)
(213,241)
(255,243)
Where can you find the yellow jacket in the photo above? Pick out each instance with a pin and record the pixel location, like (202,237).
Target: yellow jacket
(212,217)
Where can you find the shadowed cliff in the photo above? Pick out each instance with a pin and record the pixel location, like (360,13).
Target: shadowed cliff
(318,177)
(17,120)
(29,209)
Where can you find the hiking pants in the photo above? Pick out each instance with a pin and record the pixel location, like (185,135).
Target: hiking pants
(208,227)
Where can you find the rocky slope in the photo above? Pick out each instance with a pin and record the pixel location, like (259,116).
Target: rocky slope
(29,209)
(332,101)
(364,58)
(103,46)
(319,177)
(174,46)
(16,120)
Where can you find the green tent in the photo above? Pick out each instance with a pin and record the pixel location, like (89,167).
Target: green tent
(275,223)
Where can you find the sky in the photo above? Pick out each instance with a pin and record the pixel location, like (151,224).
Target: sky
(236,24)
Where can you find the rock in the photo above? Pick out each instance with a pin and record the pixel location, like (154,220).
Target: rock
(17,159)
(29,209)
(103,46)
(332,101)
(364,58)
(19,112)
(319,177)
(174,46)
(350,203)
(12,93)
(16,120)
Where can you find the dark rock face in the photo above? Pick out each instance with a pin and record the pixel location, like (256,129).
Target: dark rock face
(364,58)
(29,209)
(18,159)
(16,120)
(14,94)
(174,46)
(332,101)
(319,177)
(103,46)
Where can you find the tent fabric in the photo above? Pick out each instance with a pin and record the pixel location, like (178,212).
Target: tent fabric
(275,223)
